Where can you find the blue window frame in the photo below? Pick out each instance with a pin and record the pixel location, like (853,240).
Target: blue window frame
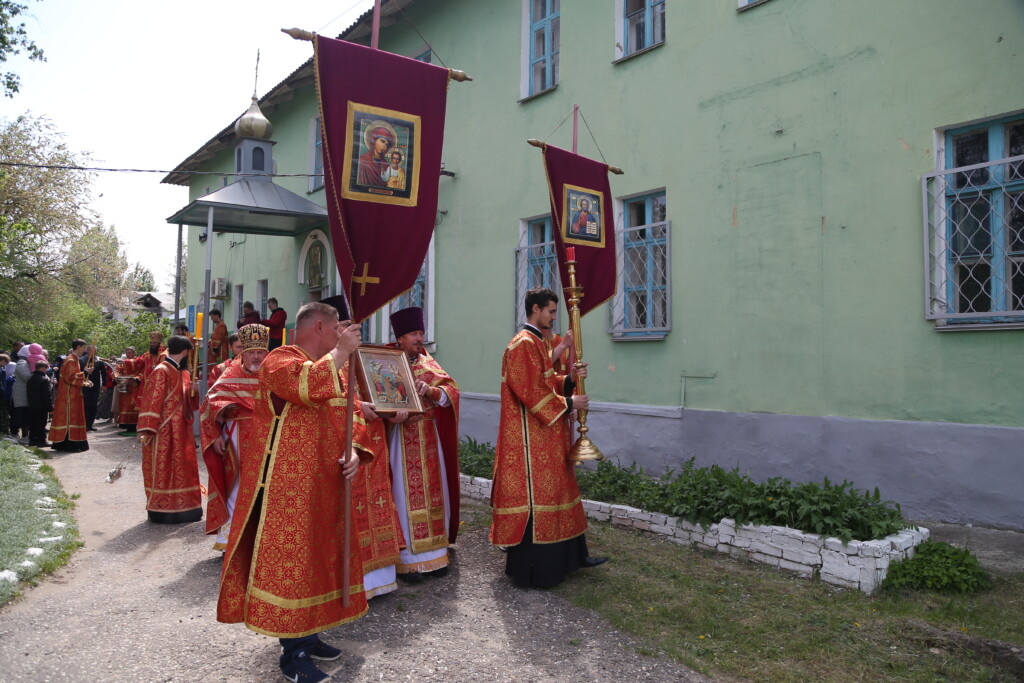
(542,269)
(644,23)
(984,227)
(641,306)
(535,262)
(545,18)
(318,158)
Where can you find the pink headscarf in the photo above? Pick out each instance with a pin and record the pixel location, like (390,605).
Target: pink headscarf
(35,354)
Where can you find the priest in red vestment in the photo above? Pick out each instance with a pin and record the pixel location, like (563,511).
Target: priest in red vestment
(283,572)
(218,339)
(169,468)
(226,430)
(235,347)
(537,511)
(376,517)
(424,452)
(139,368)
(67,430)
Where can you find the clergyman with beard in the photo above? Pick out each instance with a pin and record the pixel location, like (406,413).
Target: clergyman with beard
(226,424)
(140,367)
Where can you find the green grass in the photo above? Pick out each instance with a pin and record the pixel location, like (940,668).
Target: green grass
(736,620)
(22,525)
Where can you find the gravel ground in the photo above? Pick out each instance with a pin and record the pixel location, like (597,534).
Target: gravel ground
(137,603)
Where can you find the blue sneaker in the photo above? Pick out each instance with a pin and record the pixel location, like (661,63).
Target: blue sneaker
(302,669)
(324,652)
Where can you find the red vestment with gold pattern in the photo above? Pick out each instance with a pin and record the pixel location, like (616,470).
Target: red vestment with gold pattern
(283,573)
(373,506)
(532,474)
(425,467)
(68,408)
(169,467)
(140,367)
(236,387)
(218,344)
(219,370)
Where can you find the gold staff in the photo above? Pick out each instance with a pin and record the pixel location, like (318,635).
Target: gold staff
(584,449)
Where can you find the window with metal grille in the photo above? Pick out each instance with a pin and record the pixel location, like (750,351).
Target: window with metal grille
(644,24)
(417,296)
(642,302)
(317,157)
(535,262)
(239,300)
(261,293)
(545,18)
(974,227)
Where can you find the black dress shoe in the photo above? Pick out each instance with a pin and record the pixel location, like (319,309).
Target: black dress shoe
(593,561)
(412,577)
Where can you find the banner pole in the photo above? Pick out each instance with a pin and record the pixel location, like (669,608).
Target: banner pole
(575,125)
(375,35)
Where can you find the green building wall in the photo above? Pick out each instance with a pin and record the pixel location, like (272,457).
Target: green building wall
(789,140)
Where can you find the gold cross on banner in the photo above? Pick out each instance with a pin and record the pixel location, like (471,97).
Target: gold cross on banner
(365,279)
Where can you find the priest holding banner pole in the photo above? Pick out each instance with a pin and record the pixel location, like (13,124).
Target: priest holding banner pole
(537,511)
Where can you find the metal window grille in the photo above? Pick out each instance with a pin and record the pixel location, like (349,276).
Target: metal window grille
(416,296)
(642,303)
(535,264)
(974,243)
(318,158)
(262,290)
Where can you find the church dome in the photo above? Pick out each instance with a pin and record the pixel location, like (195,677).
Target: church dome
(253,124)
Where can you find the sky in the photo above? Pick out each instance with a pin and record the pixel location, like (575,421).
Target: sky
(145,84)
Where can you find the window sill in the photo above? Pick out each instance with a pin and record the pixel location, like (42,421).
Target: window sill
(751,5)
(653,336)
(537,94)
(976,327)
(315,189)
(644,51)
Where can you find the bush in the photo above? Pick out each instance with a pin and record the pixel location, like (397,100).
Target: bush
(476,459)
(706,495)
(938,566)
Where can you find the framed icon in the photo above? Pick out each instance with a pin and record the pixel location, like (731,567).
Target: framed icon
(382,156)
(385,379)
(583,212)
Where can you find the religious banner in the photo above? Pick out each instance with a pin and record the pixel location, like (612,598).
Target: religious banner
(582,217)
(382,124)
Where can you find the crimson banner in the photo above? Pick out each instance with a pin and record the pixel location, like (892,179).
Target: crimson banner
(581,211)
(382,124)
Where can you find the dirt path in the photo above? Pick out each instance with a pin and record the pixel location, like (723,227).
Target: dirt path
(137,604)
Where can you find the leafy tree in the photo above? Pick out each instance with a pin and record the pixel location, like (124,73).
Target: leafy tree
(14,38)
(54,253)
(184,274)
(140,278)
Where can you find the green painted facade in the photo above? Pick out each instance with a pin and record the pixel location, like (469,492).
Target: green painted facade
(789,140)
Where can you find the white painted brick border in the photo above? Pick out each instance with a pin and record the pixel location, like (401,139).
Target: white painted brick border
(857,564)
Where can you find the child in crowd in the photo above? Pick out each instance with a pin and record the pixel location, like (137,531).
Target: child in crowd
(39,405)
